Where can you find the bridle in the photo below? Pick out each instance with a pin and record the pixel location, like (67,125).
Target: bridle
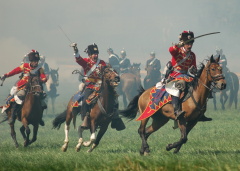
(34,86)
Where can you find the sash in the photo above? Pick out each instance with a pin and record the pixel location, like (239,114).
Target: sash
(184,59)
(122,61)
(93,68)
(152,61)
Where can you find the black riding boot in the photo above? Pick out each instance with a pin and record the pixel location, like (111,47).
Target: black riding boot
(177,107)
(15,109)
(117,122)
(85,109)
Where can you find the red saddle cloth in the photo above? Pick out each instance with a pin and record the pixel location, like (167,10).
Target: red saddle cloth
(158,98)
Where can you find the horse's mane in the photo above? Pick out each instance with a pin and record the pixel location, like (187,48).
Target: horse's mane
(201,66)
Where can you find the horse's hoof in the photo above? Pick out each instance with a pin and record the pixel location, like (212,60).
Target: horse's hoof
(90,150)
(169,147)
(64,148)
(146,153)
(78,147)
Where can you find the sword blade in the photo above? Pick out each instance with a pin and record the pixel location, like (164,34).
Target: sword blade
(200,36)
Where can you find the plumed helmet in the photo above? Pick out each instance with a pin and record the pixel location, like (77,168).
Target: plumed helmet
(92,49)
(152,53)
(33,56)
(123,52)
(186,35)
(110,50)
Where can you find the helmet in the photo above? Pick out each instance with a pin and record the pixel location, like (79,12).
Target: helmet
(123,52)
(152,53)
(92,49)
(33,56)
(186,35)
(110,50)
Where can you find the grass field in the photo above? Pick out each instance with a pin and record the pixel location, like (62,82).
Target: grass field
(211,146)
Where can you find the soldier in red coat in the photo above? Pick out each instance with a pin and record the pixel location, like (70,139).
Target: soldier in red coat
(92,71)
(18,93)
(183,69)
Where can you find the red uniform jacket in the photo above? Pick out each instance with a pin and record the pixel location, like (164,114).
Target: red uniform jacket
(25,68)
(177,55)
(87,64)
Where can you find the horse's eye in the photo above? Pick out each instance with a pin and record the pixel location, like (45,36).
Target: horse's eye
(213,69)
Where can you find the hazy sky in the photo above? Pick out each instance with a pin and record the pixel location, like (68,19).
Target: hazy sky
(138,26)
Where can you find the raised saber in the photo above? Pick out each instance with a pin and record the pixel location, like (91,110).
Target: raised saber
(200,36)
(65,34)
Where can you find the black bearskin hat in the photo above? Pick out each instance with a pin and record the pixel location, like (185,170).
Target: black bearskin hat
(92,49)
(33,56)
(186,35)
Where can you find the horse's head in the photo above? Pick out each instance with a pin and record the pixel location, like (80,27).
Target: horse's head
(135,69)
(54,75)
(214,73)
(111,76)
(34,85)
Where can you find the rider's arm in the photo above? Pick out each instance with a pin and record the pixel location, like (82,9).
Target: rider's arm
(174,50)
(15,71)
(81,61)
(42,75)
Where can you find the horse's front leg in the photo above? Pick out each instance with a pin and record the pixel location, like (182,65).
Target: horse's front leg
(100,134)
(66,140)
(35,131)
(183,139)
(13,135)
(27,131)
(80,140)
(93,134)
(141,131)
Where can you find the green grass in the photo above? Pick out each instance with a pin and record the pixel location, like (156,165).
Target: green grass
(211,146)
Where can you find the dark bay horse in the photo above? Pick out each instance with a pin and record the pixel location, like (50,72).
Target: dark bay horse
(100,114)
(151,78)
(195,107)
(230,93)
(129,84)
(31,112)
(51,87)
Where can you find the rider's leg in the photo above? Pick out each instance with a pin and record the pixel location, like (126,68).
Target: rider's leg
(177,107)
(85,109)
(116,120)
(15,109)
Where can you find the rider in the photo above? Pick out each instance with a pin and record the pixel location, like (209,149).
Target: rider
(113,59)
(124,62)
(92,70)
(183,63)
(155,64)
(19,92)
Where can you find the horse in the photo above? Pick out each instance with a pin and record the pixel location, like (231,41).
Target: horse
(100,114)
(151,78)
(51,87)
(130,83)
(232,87)
(194,106)
(30,113)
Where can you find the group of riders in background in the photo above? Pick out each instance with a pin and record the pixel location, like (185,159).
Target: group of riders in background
(181,68)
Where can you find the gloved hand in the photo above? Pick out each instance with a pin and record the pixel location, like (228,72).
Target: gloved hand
(74,45)
(3,77)
(180,44)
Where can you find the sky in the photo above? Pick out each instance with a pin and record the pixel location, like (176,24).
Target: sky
(138,26)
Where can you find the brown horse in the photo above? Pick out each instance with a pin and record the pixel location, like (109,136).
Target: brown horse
(100,114)
(31,112)
(129,84)
(195,107)
(151,78)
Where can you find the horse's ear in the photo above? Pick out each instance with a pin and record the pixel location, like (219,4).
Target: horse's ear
(212,59)
(139,64)
(57,69)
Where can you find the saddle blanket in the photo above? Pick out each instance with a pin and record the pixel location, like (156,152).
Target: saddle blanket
(158,98)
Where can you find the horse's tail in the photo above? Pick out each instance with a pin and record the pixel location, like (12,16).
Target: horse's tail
(59,120)
(5,118)
(131,111)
